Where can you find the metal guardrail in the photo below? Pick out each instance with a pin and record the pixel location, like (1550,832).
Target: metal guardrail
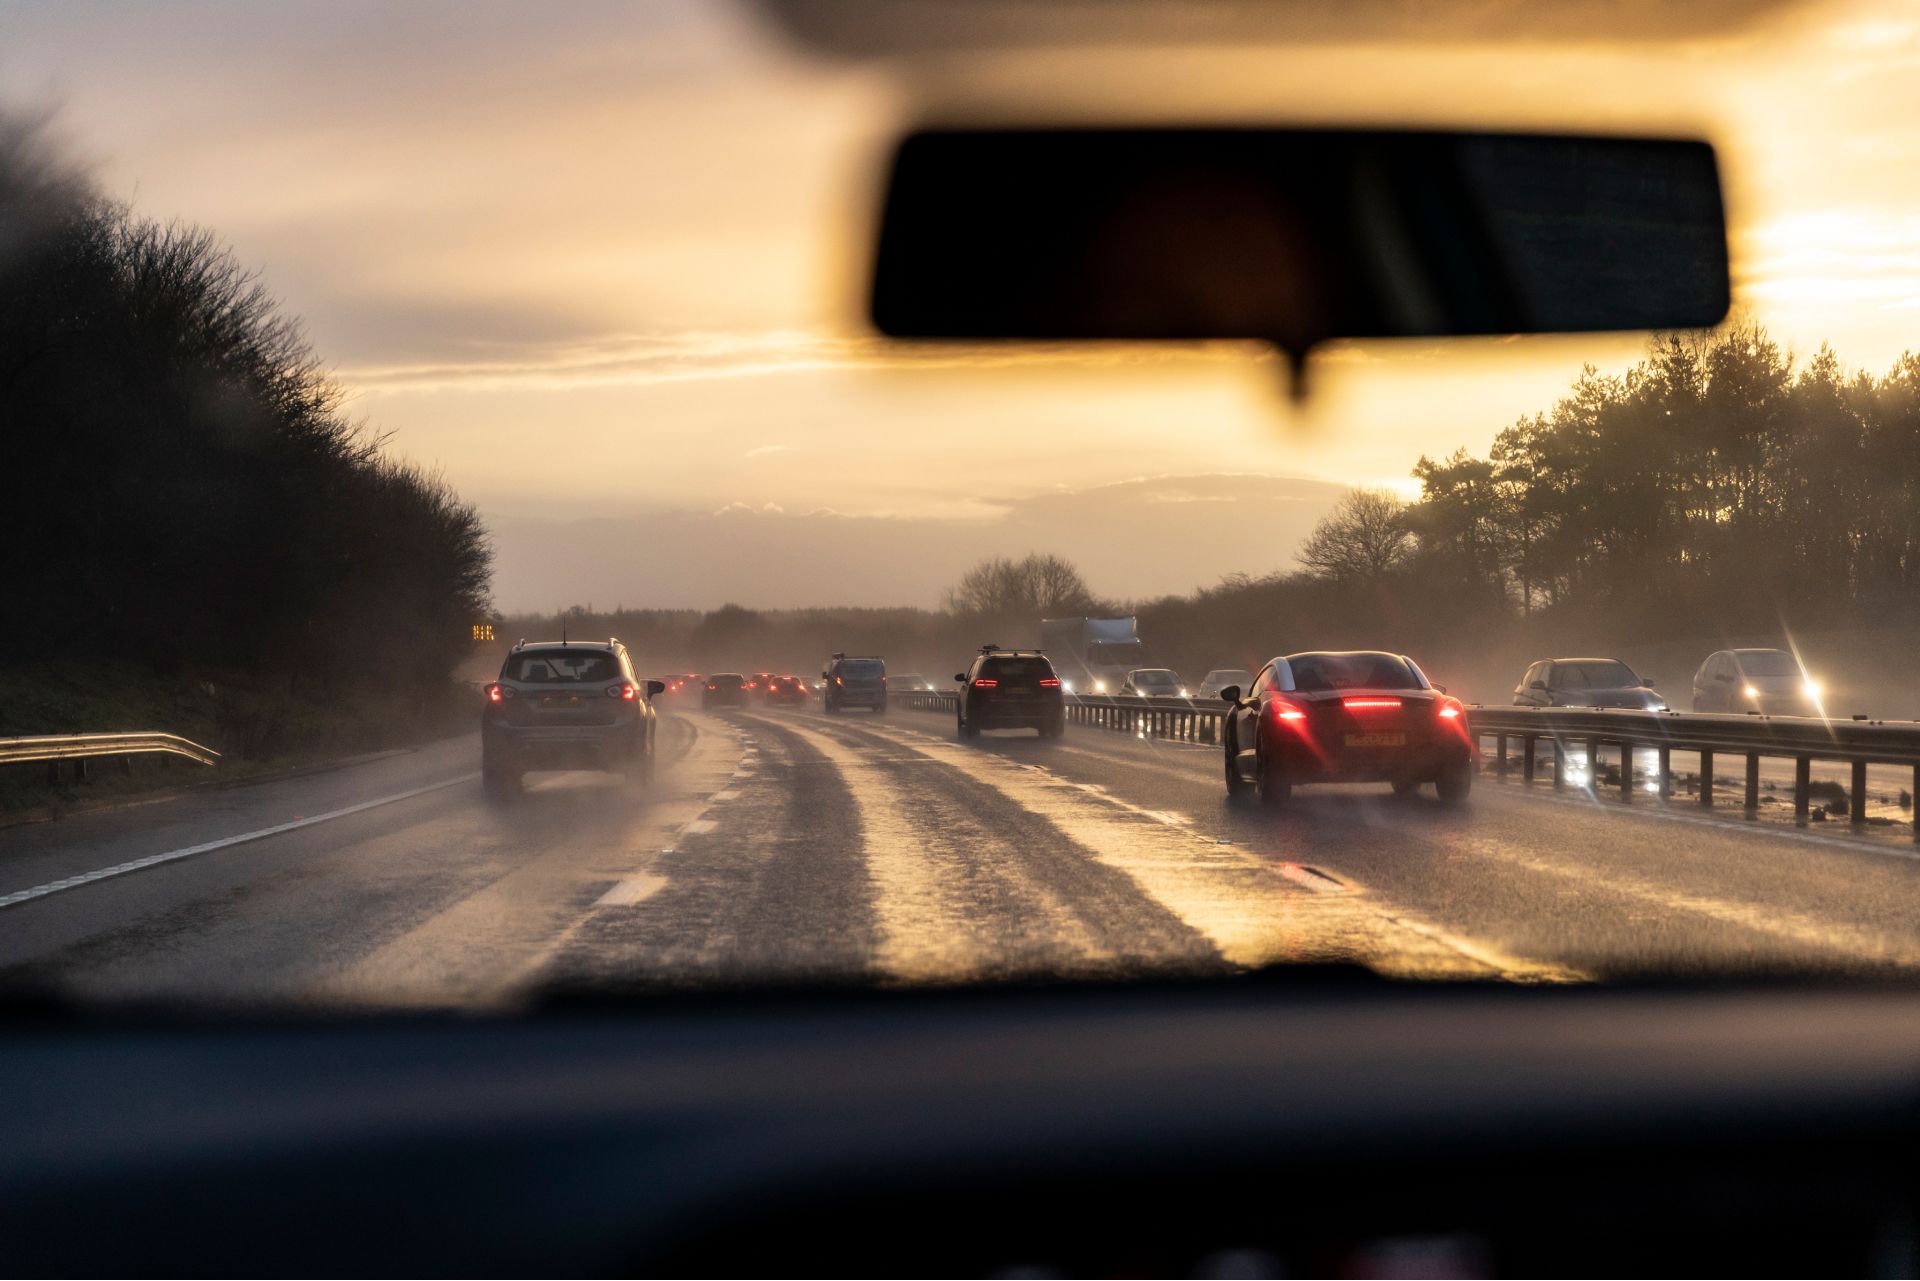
(1803,739)
(1858,743)
(55,749)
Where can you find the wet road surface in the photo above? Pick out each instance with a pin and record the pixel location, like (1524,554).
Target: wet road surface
(784,844)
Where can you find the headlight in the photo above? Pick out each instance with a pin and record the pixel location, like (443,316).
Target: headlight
(1751,692)
(1183,692)
(1813,689)
(1099,687)
(1066,686)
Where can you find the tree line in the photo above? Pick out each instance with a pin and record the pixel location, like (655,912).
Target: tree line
(183,485)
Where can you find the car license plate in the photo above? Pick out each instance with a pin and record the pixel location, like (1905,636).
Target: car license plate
(1376,740)
(554,700)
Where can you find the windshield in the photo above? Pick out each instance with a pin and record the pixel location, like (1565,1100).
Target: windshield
(1350,671)
(1765,662)
(568,666)
(1593,676)
(437,329)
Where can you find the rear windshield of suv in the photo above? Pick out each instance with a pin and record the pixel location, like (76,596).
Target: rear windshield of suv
(725,679)
(561,666)
(862,667)
(1017,668)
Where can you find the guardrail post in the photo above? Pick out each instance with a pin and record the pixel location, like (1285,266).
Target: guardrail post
(1593,765)
(1665,791)
(1857,797)
(1527,742)
(1915,794)
(1706,777)
(1500,757)
(1753,785)
(1559,763)
(1626,773)
(1802,767)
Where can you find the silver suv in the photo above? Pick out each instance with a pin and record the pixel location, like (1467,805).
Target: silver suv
(566,705)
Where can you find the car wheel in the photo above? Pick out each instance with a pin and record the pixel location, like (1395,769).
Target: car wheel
(880,708)
(1270,778)
(1236,785)
(1055,728)
(966,730)
(640,765)
(500,783)
(1455,781)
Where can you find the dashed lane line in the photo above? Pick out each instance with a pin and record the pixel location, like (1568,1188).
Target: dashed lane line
(173,856)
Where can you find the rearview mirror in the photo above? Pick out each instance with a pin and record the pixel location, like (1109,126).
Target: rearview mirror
(1295,236)
(1231,694)
(656,687)
(961,677)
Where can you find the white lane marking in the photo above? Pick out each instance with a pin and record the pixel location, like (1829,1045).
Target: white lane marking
(173,856)
(635,889)
(699,825)
(725,794)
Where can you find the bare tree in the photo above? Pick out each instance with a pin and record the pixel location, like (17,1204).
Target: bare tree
(1363,538)
(1033,586)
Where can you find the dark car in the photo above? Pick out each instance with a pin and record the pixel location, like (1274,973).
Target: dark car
(566,705)
(1586,682)
(1359,716)
(724,689)
(1011,689)
(858,680)
(790,691)
(759,683)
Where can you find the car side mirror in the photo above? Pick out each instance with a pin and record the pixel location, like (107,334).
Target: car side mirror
(961,677)
(1648,681)
(656,687)
(1540,685)
(1231,694)
(1441,688)
(1724,676)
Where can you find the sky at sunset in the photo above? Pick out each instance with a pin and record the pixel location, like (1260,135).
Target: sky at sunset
(600,264)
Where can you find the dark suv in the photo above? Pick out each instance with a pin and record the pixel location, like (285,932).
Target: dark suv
(724,689)
(1011,689)
(566,705)
(858,681)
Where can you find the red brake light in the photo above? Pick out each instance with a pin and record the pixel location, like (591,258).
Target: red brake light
(1370,704)
(1451,709)
(623,691)
(1048,682)
(986,684)
(1285,711)
(495,693)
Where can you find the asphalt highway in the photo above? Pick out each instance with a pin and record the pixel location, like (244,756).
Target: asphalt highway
(788,846)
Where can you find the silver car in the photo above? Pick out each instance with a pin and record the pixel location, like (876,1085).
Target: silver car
(1771,681)
(1222,677)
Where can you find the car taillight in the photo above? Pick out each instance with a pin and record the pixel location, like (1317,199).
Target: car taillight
(1282,710)
(1370,704)
(711,685)
(1451,709)
(986,684)
(498,693)
(623,691)
(1049,683)
(838,681)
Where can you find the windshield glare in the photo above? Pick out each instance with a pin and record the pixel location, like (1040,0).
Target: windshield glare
(533,349)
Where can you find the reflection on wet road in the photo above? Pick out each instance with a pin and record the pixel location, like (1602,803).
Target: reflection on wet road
(781,844)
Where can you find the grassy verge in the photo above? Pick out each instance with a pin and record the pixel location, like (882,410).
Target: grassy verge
(258,725)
